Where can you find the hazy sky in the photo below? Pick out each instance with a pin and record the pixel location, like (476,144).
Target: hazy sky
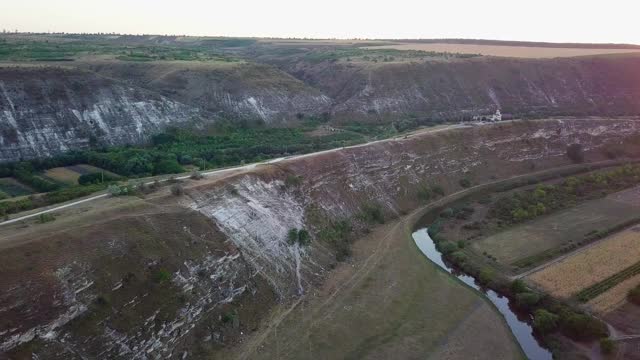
(541,20)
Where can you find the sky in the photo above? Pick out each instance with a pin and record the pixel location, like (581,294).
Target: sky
(611,21)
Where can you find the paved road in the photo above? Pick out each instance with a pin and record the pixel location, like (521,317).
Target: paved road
(96,197)
(242,167)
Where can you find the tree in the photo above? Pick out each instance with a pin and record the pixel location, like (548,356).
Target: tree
(527,300)
(519,286)
(634,295)
(465,183)
(303,237)
(167,166)
(545,322)
(292,236)
(582,327)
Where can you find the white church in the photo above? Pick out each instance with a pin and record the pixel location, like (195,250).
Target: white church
(495,117)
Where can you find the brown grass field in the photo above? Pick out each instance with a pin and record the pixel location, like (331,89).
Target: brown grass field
(590,266)
(565,227)
(69,174)
(63,175)
(506,51)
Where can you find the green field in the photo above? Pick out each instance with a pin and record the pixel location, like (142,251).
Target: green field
(568,229)
(70,50)
(12,187)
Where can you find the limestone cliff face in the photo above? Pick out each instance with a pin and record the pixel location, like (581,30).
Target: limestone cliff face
(47,110)
(195,275)
(563,86)
(234,91)
(44,111)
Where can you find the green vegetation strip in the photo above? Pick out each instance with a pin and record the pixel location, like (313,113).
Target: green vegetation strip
(602,287)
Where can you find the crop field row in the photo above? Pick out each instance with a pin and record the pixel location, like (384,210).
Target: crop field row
(594,290)
(601,266)
(613,297)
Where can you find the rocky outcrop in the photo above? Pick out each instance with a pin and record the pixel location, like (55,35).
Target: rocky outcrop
(48,110)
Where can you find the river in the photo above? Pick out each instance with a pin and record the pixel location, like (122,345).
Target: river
(522,331)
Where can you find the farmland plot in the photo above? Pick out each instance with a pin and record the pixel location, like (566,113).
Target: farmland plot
(69,175)
(608,260)
(12,187)
(504,50)
(568,227)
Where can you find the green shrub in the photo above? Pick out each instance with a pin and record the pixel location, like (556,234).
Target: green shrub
(582,327)
(45,218)
(167,166)
(438,190)
(607,346)
(447,213)
(293,180)
(162,276)
(95,178)
(458,257)
(3,195)
(301,237)
(527,300)
(465,183)
(634,295)
(292,236)
(372,213)
(486,276)
(446,247)
(519,286)
(545,322)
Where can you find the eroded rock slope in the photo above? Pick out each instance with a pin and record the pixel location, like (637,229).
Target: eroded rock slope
(194,276)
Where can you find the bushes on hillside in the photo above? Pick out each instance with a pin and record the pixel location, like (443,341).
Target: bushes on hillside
(298,236)
(465,183)
(634,295)
(338,235)
(372,213)
(427,192)
(607,346)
